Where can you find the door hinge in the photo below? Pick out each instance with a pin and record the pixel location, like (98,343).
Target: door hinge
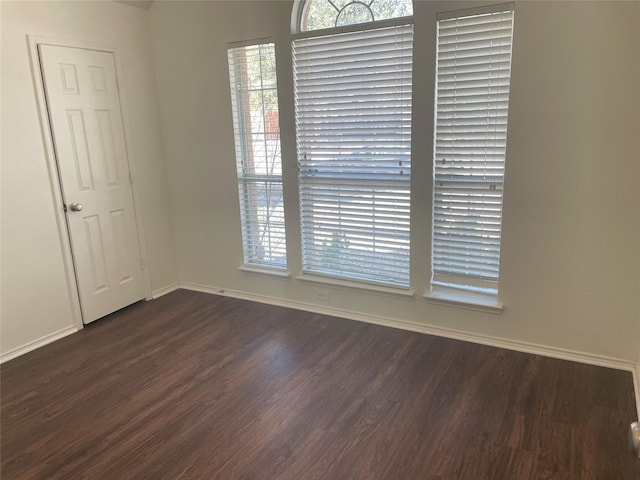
(130,179)
(141,264)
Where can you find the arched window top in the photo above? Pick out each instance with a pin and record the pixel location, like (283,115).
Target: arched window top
(321,14)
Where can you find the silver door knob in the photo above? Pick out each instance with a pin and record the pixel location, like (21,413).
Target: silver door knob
(75,207)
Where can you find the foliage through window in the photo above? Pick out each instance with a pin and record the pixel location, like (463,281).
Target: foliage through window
(320,14)
(252,73)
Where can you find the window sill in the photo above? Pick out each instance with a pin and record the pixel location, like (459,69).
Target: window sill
(271,272)
(366,287)
(467,300)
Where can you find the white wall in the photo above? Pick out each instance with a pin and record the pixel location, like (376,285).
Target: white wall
(571,256)
(35,301)
(571,232)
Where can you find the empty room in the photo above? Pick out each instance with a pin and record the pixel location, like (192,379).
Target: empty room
(320,239)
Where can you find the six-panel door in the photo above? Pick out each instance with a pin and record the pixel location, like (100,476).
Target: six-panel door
(86,123)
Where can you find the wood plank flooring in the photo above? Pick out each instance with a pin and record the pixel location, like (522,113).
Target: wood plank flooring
(196,386)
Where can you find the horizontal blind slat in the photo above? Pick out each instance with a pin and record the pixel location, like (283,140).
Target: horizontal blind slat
(472,96)
(353,122)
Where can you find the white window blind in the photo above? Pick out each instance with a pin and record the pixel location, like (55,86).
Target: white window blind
(353,114)
(472,98)
(252,73)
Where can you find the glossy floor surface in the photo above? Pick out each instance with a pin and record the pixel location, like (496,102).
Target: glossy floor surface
(197,386)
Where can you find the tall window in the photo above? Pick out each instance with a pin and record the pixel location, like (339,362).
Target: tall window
(472,98)
(353,120)
(252,72)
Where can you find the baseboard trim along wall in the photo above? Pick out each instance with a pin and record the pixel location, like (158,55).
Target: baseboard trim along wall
(560,353)
(164,290)
(40,342)
(525,347)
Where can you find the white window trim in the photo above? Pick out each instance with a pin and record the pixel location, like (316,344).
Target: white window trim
(376,181)
(264,270)
(297,11)
(439,292)
(465,300)
(254,267)
(363,285)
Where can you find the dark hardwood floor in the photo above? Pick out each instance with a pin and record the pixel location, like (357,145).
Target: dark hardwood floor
(196,386)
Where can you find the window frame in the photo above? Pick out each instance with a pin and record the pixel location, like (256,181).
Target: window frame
(323,277)
(298,12)
(250,224)
(476,293)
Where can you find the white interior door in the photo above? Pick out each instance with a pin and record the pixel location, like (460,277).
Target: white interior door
(86,124)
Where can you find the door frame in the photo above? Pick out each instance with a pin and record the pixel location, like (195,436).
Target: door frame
(52,165)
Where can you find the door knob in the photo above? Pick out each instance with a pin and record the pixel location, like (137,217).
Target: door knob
(75,207)
(634,438)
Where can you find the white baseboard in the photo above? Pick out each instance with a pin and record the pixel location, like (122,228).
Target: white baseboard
(40,342)
(526,347)
(164,290)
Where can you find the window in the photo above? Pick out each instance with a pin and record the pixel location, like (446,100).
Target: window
(353,120)
(252,72)
(472,97)
(319,14)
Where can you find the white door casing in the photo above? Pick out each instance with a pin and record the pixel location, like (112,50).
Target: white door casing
(86,125)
